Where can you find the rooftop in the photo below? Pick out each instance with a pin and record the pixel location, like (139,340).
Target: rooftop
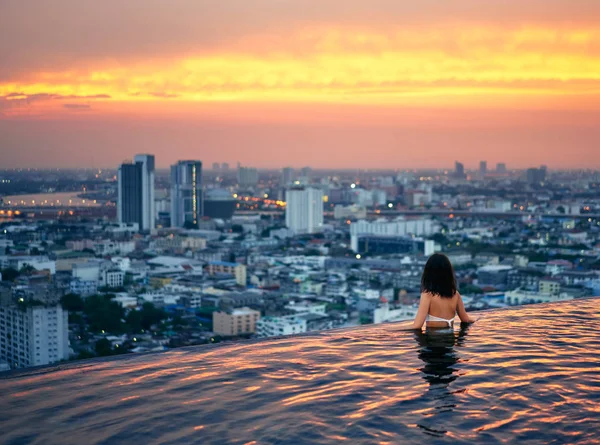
(517,375)
(244,311)
(224,263)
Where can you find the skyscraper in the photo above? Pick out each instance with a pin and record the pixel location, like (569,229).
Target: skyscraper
(500,168)
(247,176)
(459,171)
(187,206)
(287,176)
(306,172)
(483,168)
(136,192)
(536,175)
(304,209)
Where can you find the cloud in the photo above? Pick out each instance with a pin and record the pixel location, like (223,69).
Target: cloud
(50,96)
(42,35)
(20,99)
(77,106)
(391,65)
(92,96)
(163,95)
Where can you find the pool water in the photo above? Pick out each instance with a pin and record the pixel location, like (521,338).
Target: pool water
(521,375)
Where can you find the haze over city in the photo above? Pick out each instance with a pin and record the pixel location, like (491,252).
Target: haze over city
(273,83)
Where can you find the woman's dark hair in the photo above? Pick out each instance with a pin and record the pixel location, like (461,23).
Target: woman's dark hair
(438,277)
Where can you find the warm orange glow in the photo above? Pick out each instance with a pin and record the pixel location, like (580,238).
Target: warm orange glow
(445,65)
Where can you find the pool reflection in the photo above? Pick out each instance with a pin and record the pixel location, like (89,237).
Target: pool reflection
(437,349)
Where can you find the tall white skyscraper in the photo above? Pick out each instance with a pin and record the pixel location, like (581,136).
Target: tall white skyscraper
(304,209)
(136,192)
(33,336)
(187,204)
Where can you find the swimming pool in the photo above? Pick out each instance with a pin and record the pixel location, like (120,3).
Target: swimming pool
(526,374)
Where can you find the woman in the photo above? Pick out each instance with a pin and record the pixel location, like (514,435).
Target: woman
(440,300)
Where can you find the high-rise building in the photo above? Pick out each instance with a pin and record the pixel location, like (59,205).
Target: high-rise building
(500,167)
(459,171)
(536,175)
(33,335)
(306,172)
(287,176)
(483,168)
(136,192)
(304,209)
(224,166)
(216,166)
(247,176)
(187,206)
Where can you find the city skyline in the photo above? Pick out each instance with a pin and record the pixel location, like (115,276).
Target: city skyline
(289,83)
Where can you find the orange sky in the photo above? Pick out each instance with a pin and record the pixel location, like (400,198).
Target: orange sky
(274,82)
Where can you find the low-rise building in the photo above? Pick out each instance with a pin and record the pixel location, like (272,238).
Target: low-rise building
(276,326)
(84,288)
(549,286)
(224,267)
(519,297)
(349,212)
(235,322)
(113,278)
(385,313)
(127,301)
(308,308)
(524,278)
(18,262)
(494,275)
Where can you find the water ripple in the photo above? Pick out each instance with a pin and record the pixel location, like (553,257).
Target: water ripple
(523,375)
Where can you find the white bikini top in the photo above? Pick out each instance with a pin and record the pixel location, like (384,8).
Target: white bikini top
(434,318)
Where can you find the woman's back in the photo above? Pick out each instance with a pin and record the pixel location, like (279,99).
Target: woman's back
(443,309)
(440,300)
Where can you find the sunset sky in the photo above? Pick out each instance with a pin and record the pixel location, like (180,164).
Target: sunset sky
(327,83)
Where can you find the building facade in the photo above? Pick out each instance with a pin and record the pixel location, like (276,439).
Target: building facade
(276,326)
(136,193)
(395,228)
(247,176)
(187,206)
(304,210)
(33,335)
(223,267)
(235,322)
(219,203)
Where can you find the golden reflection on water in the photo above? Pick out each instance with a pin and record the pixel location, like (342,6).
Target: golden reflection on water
(516,375)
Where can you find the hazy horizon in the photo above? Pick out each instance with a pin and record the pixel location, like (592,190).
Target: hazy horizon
(271,83)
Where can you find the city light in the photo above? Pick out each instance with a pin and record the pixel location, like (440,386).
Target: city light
(358,256)
(352,185)
(390,205)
